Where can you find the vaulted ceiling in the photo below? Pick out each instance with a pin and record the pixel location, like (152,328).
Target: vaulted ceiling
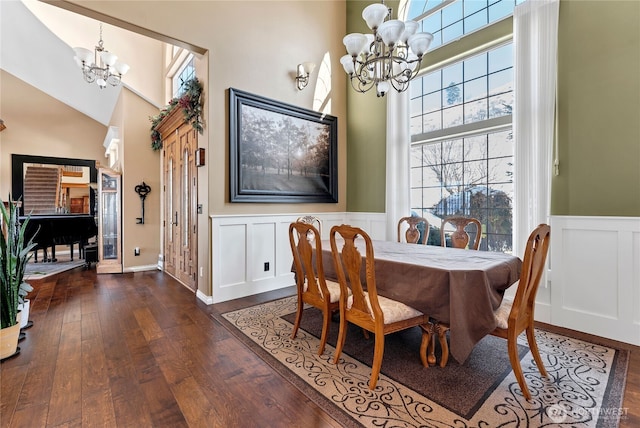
(33,50)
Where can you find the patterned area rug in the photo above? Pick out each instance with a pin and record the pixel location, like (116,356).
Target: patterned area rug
(585,385)
(35,271)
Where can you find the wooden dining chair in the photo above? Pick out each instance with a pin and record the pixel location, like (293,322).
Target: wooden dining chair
(512,318)
(315,221)
(515,317)
(460,237)
(412,235)
(365,309)
(311,284)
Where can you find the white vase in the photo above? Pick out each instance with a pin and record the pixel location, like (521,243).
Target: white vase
(24,308)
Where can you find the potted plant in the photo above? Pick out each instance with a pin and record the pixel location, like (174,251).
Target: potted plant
(24,305)
(14,255)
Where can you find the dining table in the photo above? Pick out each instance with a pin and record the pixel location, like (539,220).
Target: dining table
(459,287)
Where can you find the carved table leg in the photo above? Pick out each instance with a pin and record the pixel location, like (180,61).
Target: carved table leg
(432,346)
(442,329)
(427,344)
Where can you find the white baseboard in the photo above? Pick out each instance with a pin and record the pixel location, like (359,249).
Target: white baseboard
(141,268)
(206,299)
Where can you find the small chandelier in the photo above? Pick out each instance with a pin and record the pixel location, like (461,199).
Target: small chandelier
(390,57)
(100,66)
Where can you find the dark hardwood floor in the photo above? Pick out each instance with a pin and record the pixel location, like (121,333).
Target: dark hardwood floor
(140,350)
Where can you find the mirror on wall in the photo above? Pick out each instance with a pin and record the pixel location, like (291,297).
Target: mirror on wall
(53,186)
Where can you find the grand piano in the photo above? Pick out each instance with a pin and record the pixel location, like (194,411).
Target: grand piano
(64,229)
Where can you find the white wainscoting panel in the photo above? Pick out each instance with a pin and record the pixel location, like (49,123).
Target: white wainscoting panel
(263,250)
(595,275)
(593,279)
(372,223)
(241,244)
(234,237)
(543,297)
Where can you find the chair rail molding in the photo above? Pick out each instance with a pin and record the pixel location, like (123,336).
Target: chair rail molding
(595,275)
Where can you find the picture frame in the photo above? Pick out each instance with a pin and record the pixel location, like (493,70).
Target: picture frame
(280,153)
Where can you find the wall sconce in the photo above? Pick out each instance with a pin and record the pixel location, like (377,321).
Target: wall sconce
(302,74)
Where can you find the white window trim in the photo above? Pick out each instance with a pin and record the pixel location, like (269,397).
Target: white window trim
(495,124)
(398,178)
(535,72)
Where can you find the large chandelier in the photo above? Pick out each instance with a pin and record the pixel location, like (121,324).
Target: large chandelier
(390,57)
(100,66)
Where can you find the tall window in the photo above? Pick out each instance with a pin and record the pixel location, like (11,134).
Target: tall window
(462,142)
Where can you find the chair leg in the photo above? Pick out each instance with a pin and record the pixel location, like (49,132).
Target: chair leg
(342,335)
(512,346)
(427,331)
(326,319)
(442,337)
(377,360)
(533,346)
(296,323)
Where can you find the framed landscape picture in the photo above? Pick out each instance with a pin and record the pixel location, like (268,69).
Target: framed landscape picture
(280,152)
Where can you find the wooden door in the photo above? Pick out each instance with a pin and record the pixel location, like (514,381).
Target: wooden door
(171,185)
(180,205)
(186,229)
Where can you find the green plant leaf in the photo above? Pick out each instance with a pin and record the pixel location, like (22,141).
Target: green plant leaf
(14,255)
(191,104)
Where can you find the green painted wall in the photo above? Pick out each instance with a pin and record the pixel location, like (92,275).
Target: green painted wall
(599,114)
(599,109)
(366,135)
